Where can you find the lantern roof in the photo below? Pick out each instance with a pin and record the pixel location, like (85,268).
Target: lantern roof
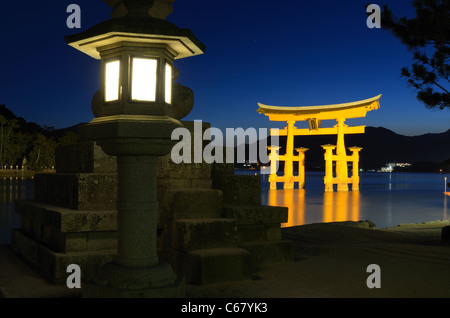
(138,29)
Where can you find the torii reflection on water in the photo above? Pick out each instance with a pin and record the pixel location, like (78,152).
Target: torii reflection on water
(337,206)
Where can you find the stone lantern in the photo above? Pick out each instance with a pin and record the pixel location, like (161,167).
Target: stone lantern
(134,120)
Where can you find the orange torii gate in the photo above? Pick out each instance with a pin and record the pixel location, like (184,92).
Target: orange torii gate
(315,115)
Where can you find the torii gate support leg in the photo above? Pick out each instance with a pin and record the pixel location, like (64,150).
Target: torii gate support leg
(355,174)
(328,180)
(301,167)
(273,156)
(341,160)
(289,157)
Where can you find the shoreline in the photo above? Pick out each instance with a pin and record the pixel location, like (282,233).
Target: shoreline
(419,225)
(330,261)
(16,174)
(22,173)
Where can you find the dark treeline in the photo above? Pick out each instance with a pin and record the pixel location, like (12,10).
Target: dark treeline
(29,145)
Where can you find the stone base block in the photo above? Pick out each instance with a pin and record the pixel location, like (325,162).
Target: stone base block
(81,191)
(167,169)
(64,230)
(203,234)
(166,188)
(52,265)
(115,281)
(191,204)
(269,252)
(84,157)
(239,189)
(217,265)
(176,290)
(221,170)
(165,185)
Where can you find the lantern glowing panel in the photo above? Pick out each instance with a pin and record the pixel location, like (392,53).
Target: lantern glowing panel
(143,81)
(112,77)
(168,86)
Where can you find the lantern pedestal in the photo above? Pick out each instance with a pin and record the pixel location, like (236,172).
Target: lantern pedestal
(116,281)
(137,142)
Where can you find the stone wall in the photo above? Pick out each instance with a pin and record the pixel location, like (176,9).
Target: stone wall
(72,219)
(211,225)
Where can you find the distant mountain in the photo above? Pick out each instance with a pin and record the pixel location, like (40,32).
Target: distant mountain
(33,128)
(428,152)
(24,126)
(381,146)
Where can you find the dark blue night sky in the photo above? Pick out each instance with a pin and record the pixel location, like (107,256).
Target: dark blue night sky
(285,53)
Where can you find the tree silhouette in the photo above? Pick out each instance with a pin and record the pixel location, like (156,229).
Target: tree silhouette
(21,141)
(427,37)
(6,136)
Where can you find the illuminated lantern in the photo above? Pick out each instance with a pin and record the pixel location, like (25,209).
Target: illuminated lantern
(134,121)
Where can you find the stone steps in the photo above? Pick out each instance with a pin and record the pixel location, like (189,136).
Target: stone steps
(258,230)
(223,234)
(198,242)
(257,223)
(268,252)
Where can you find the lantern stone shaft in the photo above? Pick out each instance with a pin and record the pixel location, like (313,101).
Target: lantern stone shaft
(137,142)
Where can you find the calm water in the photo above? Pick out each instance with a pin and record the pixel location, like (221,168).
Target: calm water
(12,189)
(385,199)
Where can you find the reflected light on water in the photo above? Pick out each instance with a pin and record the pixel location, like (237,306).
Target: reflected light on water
(294,200)
(12,188)
(341,206)
(337,206)
(386,199)
(445,208)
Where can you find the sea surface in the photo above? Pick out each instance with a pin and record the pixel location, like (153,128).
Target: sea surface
(12,189)
(386,199)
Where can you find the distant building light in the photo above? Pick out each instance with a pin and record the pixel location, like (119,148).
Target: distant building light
(390,166)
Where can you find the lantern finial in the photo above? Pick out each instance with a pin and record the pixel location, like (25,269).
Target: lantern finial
(159,9)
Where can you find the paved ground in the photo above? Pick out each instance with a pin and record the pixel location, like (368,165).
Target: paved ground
(331,261)
(18,280)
